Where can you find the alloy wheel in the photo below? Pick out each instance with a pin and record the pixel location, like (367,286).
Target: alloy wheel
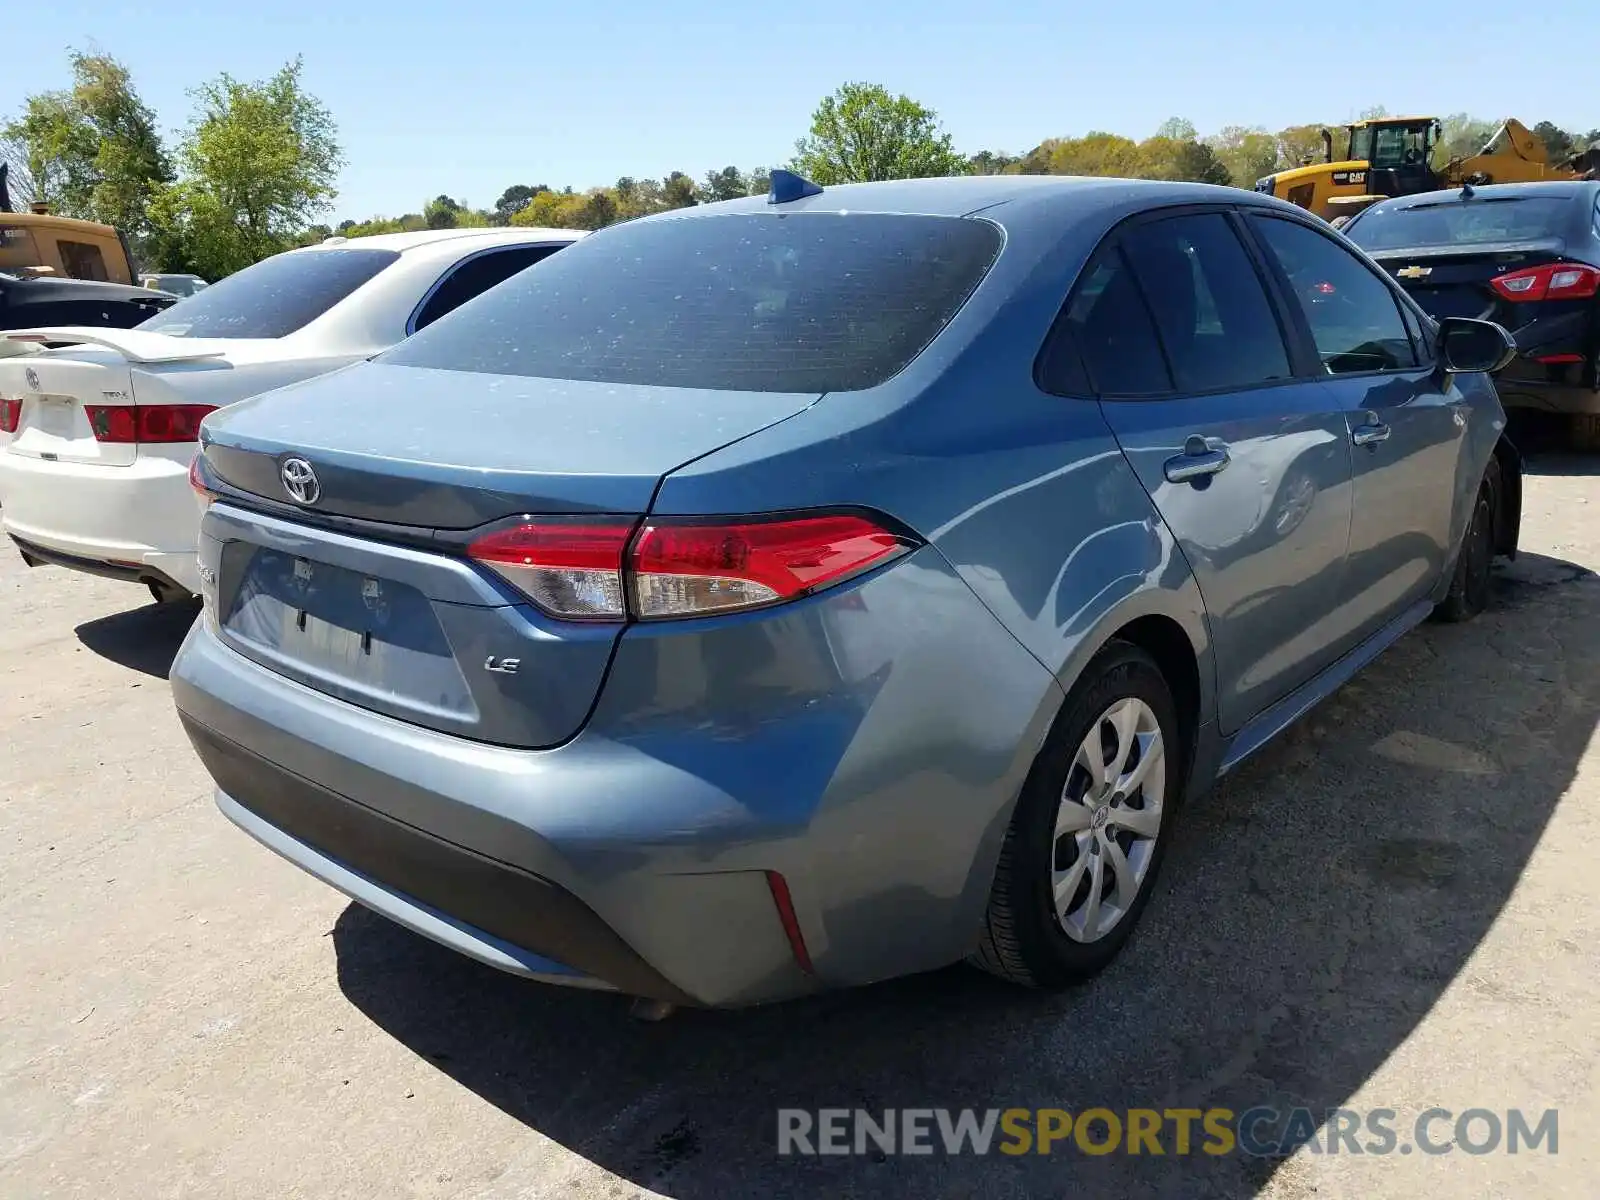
(1108,820)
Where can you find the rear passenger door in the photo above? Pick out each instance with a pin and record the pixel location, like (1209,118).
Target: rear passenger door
(1407,425)
(1247,461)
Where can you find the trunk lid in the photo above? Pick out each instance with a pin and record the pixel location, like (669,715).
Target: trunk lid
(366,594)
(452,450)
(100,367)
(54,388)
(1449,281)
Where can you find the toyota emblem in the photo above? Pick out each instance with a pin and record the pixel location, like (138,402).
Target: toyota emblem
(32,377)
(299,480)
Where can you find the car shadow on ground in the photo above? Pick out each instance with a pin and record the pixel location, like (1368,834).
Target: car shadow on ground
(1313,908)
(142,639)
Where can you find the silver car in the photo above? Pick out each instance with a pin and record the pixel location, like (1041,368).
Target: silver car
(795,592)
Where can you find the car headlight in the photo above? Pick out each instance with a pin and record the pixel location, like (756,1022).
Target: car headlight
(1265,184)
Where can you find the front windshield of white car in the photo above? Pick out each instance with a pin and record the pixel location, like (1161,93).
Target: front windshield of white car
(273,298)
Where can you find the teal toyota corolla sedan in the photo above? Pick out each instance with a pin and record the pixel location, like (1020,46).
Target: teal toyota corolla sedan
(800,591)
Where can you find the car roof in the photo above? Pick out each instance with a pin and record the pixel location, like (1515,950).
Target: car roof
(39,290)
(424,238)
(966,195)
(1554,188)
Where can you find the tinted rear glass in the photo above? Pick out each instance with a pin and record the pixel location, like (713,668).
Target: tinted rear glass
(798,302)
(273,298)
(1462,223)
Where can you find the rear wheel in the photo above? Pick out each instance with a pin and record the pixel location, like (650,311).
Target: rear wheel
(1469,588)
(1089,831)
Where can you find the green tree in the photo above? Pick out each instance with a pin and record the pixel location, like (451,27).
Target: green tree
(55,146)
(1462,136)
(130,164)
(726,184)
(1178,129)
(991,162)
(93,150)
(1173,158)
(678,191)
(1096,153)
(862,133)
(757,181)
(1302,144)
(259,161)
(1247,153)
(441,212)
(513,200)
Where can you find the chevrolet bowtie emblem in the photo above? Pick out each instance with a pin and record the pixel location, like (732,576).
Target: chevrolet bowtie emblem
(1414,272)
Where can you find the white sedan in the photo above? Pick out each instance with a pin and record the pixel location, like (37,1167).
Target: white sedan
(98,427)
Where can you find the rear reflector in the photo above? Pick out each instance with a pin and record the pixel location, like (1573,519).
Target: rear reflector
(784,903)
(587,570)
(1558,359)
(156,424)
(10,415)
(1553,281)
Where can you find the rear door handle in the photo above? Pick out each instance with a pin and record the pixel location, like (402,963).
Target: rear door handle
(1201,457)
(1370,434)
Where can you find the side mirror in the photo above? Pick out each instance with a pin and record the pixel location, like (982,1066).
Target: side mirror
(1466,345)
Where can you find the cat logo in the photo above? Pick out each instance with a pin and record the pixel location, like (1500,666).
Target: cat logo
(1414,272)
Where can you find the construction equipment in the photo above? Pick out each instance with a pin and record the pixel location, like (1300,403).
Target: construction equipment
(1392,156)
(38,243)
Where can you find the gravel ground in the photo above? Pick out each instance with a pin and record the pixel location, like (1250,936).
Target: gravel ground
(1395,906)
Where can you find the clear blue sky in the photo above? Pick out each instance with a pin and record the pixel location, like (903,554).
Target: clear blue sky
(467,98)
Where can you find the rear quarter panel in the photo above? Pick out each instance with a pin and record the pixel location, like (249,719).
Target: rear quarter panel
(1027,501)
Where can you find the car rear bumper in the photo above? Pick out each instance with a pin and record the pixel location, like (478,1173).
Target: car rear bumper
(138,522)
(637,856)
(497,912)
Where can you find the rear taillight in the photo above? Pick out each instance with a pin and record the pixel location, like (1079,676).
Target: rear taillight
(686,570)
(10,415)
(1553,281)
(146,424)
(197,481)
(569,569)
(592,571)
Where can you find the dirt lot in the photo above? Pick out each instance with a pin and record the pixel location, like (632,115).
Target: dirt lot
(1396,906)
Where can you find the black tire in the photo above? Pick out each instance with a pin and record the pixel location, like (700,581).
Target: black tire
(1471,584)
(1022,939)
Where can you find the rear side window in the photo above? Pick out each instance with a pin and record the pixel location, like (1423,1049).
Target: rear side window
(475,276)
(1353,316)
(273,298)
(1212,313)
(791,302)
(1107,328)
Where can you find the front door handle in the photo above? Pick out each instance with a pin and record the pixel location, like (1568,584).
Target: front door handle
(1370,434)
(1201,457)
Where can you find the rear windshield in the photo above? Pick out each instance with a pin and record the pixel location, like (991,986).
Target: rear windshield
(273,298)
(795,302)
(1461,222)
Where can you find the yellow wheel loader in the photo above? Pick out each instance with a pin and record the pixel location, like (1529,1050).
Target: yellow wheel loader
(1391,156)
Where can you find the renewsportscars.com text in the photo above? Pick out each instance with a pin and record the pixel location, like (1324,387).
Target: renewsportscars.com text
(1261,1132)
